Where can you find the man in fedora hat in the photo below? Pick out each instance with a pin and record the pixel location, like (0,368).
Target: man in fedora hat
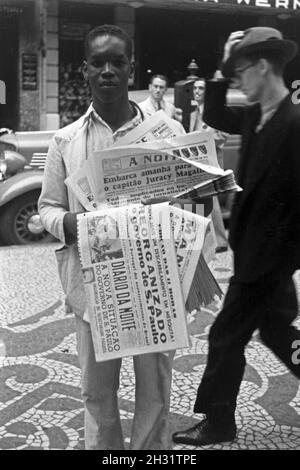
(264,226)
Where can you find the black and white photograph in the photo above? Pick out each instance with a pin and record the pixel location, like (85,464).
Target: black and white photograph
(77,78)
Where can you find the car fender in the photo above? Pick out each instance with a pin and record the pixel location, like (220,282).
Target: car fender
(19,184)
(15,162)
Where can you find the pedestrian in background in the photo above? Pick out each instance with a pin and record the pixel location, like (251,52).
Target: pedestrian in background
(197,124)
(156,101)
(264,225)
(108,66)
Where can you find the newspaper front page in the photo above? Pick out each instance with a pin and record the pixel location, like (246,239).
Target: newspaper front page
(133,262)
(158,126)
(121,175)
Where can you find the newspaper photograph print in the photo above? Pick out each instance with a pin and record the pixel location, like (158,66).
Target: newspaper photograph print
(103,233)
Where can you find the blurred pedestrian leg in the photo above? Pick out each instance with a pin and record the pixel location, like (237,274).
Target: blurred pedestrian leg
(217,220)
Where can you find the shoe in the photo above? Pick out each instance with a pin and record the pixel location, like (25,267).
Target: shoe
(220,249)
(203,434)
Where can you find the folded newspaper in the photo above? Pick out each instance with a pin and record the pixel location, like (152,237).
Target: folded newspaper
(158,126)
(118,175)
(137,263)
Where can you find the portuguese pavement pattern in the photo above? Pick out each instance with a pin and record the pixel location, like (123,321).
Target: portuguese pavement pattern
(40,403)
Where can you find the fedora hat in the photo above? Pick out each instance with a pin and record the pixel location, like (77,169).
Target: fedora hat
(260,39)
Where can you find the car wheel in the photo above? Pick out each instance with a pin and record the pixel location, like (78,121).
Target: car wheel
(19,222)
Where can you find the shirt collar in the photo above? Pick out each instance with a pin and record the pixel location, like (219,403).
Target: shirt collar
(268,112)
(137,119)
(86,116)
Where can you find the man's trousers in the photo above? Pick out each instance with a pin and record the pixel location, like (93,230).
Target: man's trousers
(269,306)
(218,224)
(100,384)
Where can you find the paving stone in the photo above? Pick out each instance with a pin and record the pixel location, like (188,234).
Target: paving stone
(40,404)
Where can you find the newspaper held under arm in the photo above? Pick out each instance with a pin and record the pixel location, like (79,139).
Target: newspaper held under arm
(137,264)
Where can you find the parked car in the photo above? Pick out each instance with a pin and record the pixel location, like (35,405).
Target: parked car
(21,175)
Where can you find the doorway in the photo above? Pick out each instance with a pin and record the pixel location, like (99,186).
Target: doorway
(9,40)
(167,40)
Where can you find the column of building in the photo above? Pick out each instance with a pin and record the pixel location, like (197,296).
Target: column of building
(28,60)
(52,64)
(124,17)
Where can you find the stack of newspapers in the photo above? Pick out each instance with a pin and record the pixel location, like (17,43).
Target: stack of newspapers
(212,187)
(145,264)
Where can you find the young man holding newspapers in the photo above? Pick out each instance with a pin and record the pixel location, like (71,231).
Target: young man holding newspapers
(108,66)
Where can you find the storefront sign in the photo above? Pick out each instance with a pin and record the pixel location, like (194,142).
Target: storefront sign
(10,10)
(287,4)
(29,72)
(267,4)
(73,31)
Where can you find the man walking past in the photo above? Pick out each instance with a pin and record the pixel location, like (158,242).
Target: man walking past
(264,225)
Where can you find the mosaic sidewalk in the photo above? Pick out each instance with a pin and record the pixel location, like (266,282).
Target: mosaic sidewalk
(40,405)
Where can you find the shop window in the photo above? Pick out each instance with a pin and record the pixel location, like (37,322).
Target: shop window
(74,93)
(75,21)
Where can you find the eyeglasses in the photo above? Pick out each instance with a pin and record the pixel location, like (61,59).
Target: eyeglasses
(238,73)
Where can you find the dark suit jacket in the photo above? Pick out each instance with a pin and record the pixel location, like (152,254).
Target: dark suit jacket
(265,220)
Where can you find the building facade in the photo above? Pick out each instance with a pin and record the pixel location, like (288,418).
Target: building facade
(40,64)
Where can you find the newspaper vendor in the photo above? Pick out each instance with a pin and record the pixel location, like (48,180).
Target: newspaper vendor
(108,67)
